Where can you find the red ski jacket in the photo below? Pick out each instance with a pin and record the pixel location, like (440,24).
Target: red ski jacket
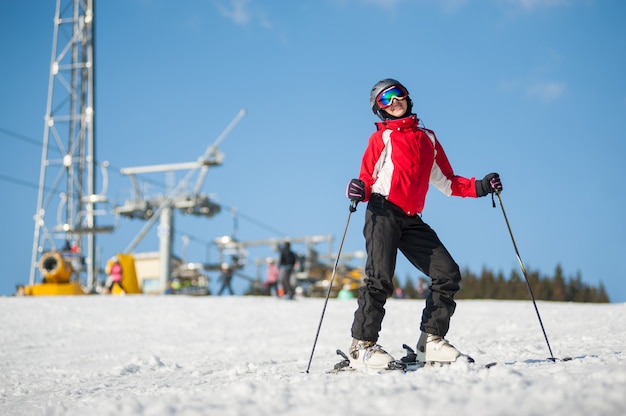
(401,159)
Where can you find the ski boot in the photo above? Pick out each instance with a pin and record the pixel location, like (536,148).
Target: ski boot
(434,350)
(368,355)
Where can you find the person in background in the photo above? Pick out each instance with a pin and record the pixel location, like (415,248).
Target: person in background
(287,262)
(422,288)
(401,159)
(226,277)
(271,276)
(116,276)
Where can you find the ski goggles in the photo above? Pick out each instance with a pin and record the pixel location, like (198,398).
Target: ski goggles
(396,91)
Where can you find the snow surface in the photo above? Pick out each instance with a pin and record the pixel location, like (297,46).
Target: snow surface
(177,355)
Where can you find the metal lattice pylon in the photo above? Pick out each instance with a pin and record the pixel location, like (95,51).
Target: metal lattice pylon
(66,201)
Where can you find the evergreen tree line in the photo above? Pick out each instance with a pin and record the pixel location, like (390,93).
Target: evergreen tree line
(491,286)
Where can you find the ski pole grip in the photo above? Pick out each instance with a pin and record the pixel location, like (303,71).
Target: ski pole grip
(353,205)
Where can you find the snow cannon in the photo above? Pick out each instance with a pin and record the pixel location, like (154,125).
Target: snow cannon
(57,273)
(54,269)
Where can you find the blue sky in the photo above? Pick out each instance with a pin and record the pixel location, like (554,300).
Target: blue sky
(534,90)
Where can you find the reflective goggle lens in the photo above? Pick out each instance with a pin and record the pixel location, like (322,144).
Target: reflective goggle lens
(384,98)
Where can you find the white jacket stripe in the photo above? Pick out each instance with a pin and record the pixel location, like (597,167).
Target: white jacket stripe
(383,170)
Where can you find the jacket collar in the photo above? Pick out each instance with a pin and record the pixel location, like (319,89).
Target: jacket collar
(409,122)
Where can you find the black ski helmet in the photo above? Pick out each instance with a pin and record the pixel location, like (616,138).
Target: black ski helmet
(379,87)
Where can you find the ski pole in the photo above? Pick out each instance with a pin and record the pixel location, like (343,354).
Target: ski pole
(530,290)
(352,208)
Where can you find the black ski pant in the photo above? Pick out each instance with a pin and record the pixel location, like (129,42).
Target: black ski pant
(226,286)
(287,271)
(386,230)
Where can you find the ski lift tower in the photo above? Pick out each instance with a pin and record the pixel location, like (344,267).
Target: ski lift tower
(161,207)
(68,174)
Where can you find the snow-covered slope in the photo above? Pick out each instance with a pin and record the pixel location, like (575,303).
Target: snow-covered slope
(175,355)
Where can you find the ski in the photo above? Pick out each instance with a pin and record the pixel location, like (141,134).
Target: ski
(344,366)
(409,361)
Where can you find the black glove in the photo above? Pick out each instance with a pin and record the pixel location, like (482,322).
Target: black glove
(488,185)
(356,190)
